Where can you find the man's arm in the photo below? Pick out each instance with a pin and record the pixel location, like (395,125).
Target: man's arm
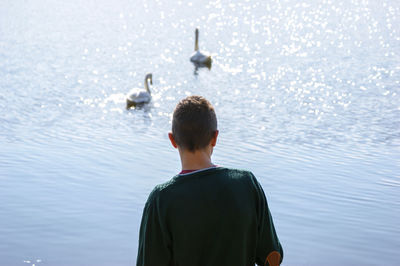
(269,249)
(153,241)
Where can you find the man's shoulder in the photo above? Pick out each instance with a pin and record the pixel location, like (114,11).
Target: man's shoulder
(160,188)
(239,172)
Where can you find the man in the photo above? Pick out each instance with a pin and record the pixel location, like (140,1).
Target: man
(206,215)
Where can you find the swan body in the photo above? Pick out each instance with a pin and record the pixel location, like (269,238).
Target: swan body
(199,57)
(139,96)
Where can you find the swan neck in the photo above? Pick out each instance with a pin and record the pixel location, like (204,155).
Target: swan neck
(196,43)
(146,83)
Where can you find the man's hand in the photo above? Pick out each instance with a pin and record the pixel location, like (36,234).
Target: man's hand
(274,258)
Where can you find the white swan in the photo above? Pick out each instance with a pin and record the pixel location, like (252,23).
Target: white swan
(198,57)
(139,96)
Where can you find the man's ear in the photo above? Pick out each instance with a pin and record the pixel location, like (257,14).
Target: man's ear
(171,138)
(214,139)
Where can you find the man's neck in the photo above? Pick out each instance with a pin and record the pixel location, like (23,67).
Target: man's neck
(196,160)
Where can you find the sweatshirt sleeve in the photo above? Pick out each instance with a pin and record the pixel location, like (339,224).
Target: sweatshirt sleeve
(267,238)
(153,243)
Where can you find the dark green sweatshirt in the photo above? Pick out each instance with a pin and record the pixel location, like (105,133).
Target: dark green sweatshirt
(217,216)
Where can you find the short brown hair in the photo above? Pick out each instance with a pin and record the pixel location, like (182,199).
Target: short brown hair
(194,123)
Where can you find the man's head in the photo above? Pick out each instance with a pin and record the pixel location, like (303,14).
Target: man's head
(194,124)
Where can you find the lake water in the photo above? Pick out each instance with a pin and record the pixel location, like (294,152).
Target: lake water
(307,95)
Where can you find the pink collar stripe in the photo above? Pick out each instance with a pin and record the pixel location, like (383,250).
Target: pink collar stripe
(186,172)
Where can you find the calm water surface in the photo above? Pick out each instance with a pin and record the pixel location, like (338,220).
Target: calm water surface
(307,94)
